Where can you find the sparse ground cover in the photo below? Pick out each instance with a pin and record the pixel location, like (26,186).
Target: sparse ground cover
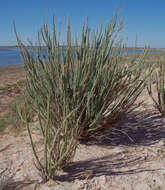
(132,160)
(11,86)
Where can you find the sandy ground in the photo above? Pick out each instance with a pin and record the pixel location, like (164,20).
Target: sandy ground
(134,160)
(11,74)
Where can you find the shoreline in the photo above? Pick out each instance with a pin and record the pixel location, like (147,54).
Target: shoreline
(126,48)
(20,65)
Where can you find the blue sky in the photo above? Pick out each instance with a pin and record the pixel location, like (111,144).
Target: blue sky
(142,18)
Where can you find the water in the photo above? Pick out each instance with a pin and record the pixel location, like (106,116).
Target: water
(12,57)
(9,57)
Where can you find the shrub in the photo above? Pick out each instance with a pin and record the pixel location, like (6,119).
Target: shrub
(77,88)
(158,77)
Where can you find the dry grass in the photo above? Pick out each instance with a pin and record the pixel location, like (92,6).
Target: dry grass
(5,178)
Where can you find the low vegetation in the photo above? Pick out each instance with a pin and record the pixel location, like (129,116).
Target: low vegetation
(158,78)
(5,178)
(77,89)
(10,110)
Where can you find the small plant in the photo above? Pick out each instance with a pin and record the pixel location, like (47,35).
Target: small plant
(159,79)
(77,88)
(5,178)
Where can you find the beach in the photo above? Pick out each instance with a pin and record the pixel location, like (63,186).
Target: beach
(11,74)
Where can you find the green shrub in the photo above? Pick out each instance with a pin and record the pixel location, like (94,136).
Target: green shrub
(77,88)
(158,77)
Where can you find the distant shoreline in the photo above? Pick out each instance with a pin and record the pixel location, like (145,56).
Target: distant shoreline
(9,55)
(128,48)
(8,47)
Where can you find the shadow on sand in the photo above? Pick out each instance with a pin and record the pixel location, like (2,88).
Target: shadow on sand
(136,129)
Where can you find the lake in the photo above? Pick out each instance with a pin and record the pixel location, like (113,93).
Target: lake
(12,57)
(9,57)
